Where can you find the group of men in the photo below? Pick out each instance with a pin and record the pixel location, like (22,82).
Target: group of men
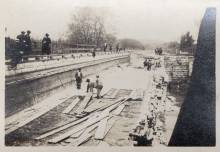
(24,47)
(90,85)
(148,64)
(158,51)
(24,41)
(117,47)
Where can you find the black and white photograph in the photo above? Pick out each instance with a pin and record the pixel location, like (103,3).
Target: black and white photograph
(110,73)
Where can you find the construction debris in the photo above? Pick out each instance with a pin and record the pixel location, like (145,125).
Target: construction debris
(151,126)
(80,130)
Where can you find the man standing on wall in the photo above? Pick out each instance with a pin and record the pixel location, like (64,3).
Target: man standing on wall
(28,46)
(78,77)
(46,45)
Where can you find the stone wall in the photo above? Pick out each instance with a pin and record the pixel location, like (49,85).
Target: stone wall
(21,93)
(178,68)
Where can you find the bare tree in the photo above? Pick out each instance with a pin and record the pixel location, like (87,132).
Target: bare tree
(87,27)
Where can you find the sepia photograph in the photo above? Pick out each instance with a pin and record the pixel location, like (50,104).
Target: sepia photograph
(110,73)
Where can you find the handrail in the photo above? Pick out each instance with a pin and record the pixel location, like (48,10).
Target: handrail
(36,58)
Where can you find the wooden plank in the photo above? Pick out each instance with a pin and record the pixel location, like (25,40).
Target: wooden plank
(118,110)
(40,110)
(104,92)
(80,135)
(81,127)
(102,106)
(95,106)
(114,94)
(62,128)
(83,139)
(113,105)
(84,103)
(110,92)
(76,135)
(110,125)
(71,106)
(101,129)
(86,135)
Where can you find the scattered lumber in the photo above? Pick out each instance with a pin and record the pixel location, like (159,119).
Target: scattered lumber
(75,141)
(100,132)
(54,131)
(84,103)
(104,92)
(83,139)
(119,109)
(88,123)
(94,106)
(86,135)
(113,95)
(76,135)
(109,126)
(115,104)
(103,106)
(71,106)
(110,93)
(14,122)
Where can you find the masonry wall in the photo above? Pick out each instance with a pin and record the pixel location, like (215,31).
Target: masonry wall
(23,94)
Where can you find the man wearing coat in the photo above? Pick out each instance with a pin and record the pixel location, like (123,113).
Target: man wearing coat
(78,77)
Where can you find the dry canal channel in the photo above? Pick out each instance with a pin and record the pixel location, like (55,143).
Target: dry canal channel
(107,121)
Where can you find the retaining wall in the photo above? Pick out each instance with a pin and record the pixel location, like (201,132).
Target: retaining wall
(25,90)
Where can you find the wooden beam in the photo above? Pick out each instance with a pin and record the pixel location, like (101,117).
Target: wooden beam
(71,106)
(81,127)
(113,95)
(85,136)
(101,129)
(62,128)
(84,103)
(118,110)
(13,123)
(76,135)
(110,125)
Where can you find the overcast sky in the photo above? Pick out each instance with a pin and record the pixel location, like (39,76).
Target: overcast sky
(144,20)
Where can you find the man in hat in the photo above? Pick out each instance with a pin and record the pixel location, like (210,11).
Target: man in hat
(28,44)
(17,54)
(46,44)
(98,86)
(78,77)
(21,39)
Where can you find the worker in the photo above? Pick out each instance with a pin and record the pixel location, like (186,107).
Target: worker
(21,38)
(46,45)
(78,77)
(110,48)
(17,54)
(28,44)
(146,63)
(90,85)
(105,47)
(98,86)
(117,47)
(93,52)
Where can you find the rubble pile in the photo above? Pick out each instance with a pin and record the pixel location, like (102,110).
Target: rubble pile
(151,127)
